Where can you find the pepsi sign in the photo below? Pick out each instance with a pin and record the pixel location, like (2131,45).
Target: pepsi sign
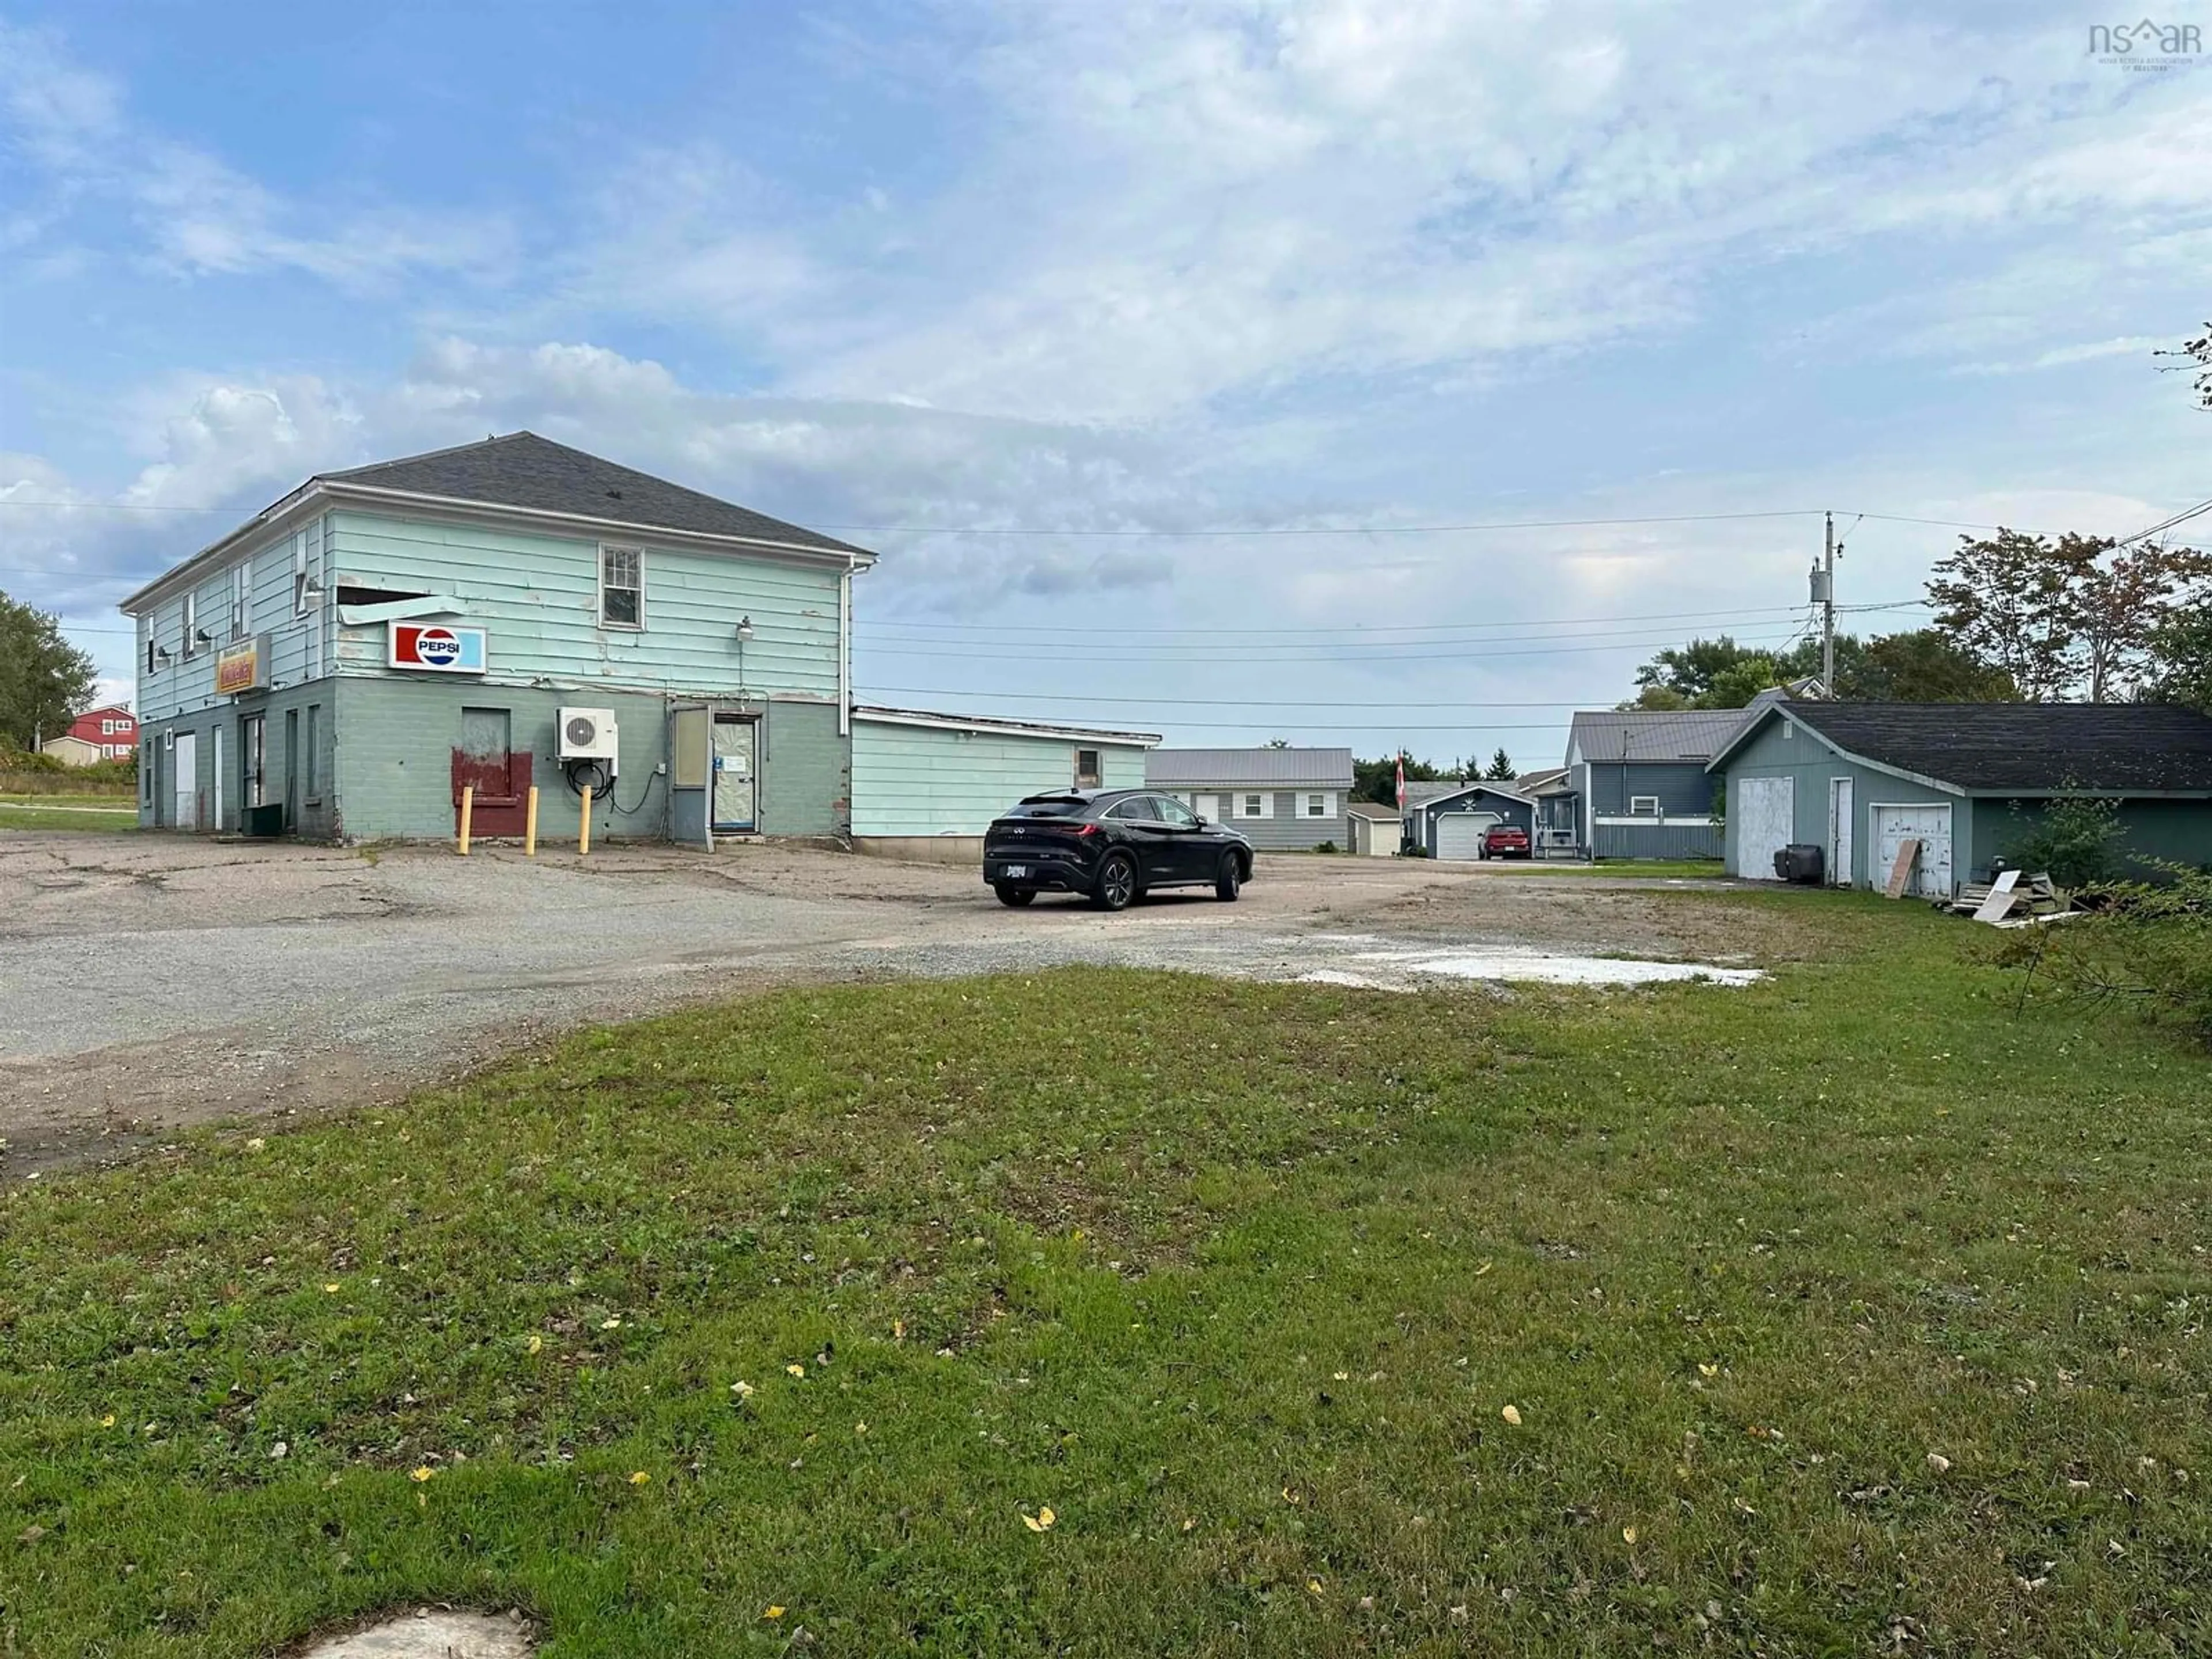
(436,648)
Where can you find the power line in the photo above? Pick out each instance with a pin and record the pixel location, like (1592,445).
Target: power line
(1018,530)
(1216,702)
(1034,630)
(2164,525)
(1623,643)
(1475,527)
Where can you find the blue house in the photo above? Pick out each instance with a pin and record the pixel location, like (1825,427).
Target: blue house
(516,614)
(1639,777)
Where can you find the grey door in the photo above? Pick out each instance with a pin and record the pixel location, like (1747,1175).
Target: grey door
(291,770)
(737,787)
(253,758)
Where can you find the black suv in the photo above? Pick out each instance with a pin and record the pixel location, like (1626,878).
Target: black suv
(1111,845)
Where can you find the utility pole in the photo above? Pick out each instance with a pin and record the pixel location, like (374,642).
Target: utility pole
(1824,591)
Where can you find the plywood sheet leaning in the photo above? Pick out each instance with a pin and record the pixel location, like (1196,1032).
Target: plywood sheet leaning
(2000,899)
(1900,872)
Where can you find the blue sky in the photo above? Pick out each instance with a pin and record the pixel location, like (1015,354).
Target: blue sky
(1143,269)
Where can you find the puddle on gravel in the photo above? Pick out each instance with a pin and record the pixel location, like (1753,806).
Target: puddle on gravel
(1390,970)
(428,1634)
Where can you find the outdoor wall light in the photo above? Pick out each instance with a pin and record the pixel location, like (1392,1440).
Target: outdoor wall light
(745,628)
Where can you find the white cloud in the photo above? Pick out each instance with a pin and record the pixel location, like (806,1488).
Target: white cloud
(195,214)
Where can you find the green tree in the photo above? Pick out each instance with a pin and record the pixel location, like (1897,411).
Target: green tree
(2008,599)
(1922,665)
(1377,780)
(2181,659)
(1723,674)
(1501,768)
(44,681)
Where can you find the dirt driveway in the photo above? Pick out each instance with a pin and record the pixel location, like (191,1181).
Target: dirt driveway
(149,981)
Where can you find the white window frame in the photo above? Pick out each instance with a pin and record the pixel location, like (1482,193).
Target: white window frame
(1317,804)
(302,573)
(1097,776)
(107,728)
(1239,805)
(1644,806)
(241,600)
(636,556)
(191,619)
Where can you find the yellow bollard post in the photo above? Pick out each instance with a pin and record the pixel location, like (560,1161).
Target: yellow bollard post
(584,836)
(468,813)
(530,823)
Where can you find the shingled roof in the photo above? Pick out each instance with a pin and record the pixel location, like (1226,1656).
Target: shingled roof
(524,470)
(2035,748)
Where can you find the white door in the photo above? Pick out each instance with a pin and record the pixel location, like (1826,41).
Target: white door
(186,769)
(735,784)
(1207,807)
(215,818)
(1839,832)
(1766,823)
(1931,826)
(1459,835)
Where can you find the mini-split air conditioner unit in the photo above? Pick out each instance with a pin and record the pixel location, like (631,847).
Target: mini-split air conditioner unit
(588,734)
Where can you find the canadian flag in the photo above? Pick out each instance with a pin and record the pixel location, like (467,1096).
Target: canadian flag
(1401,780)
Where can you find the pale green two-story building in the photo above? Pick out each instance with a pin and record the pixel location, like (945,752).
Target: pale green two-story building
(385,642)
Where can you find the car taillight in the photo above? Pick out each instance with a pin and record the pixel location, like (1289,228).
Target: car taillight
(1087,829)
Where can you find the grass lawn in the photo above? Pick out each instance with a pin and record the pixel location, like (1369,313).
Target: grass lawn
(66,813)
(1843,1313)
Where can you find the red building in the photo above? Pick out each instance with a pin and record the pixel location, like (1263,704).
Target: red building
(113,730)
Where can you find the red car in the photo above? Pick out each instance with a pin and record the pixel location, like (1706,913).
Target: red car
(1505,841)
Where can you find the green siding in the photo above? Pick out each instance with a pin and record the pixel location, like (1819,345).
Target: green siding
(2151,831)
(538,598)
(1785,748)
(805,766)
(929,780)
(397,736)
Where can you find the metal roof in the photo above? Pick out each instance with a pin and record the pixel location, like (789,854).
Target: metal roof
(1184,768)
(1646,734)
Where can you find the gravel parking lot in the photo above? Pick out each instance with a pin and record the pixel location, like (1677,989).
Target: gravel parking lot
(149,981)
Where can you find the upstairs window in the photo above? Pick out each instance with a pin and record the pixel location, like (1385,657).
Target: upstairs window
(302,575)
(622,587)
(192,627)
(241,602)
(1643,806)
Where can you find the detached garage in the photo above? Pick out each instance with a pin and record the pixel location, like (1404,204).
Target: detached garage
(1961,783)
(1451,823)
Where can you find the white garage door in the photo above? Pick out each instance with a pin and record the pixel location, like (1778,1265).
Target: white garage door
(1931,826)
(1459,835)
(1766,822)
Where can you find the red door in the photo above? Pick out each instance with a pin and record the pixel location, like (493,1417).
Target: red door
(486,758)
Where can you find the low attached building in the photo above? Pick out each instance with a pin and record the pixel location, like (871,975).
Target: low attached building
(1451,823)
(928,785)
(1639,782)
(1967,781)
(1283,801)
